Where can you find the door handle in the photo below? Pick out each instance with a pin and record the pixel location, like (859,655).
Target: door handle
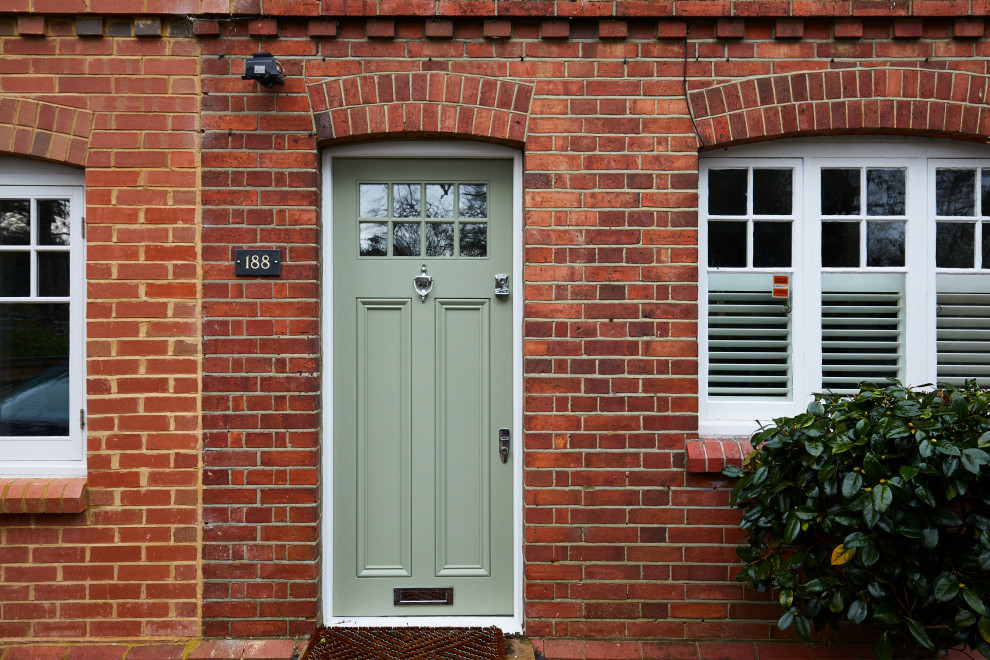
(503,444)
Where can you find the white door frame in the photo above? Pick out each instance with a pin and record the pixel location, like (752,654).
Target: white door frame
(423,149)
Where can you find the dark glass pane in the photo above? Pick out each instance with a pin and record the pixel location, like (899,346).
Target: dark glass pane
(772,192)
(374,200)
(53,222)
(405,200)
(884,244)
(15,221)
(34,369)
(53,273)
(439,240)
(885,192)
(954,243)
(726,244)
(474,200)
(986,245)
(771,244)
(15,274)
(840,244)
(955,191)
(405,239)
(439,200)
(840,191)
(374,239)
(474,240)
(985,193)
(727,192)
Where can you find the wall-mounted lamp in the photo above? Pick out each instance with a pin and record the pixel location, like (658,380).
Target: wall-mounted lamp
(264,68)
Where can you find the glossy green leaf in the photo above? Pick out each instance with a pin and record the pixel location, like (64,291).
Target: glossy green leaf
(887,613)
(882,497)
(816,408)
(983,625)
(785,621)
(946,587)
(974,602)
(857,611)
(884,649)
(919,634)
(964,619)
(803,627)
(984,440)
(929,536)
(851,484)
(791,528)
(786,598)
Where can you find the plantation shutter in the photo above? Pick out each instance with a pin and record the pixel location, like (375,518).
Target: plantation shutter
(749,337)
(862,329)
(963,328)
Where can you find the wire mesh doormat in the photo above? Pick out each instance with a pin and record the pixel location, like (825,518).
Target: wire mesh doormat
(406,644)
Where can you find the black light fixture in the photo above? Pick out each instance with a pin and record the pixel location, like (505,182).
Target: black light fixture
(264,68)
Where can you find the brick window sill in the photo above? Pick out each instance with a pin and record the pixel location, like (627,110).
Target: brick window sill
(43,495)
(710,455)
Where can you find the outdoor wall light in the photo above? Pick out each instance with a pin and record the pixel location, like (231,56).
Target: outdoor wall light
(264,68)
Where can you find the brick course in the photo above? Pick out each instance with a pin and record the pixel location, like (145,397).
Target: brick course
(628,536)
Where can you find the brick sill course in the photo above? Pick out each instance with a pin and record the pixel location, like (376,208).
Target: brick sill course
(43,495)
(710,455)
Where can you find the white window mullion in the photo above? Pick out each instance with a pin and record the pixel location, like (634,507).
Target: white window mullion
(919,280)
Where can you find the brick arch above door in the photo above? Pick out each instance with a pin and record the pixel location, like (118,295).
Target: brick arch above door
(859,101)
(44,130)
(421,104)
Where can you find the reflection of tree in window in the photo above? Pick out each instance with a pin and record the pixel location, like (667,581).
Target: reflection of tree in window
(474,201)
(884,244)
(440,200)
(405,240)
(15,222)
(955,191)
(474,240)
(374,239)
(53,222)
(885,192)
(405,200)
(439,239)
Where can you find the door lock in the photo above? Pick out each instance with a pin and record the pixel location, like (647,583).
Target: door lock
(501,284)
(503,444)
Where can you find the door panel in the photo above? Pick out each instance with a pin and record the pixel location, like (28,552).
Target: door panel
(421,387)
(384,485)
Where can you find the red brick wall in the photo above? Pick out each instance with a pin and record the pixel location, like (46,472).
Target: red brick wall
(126,110)
(621,540)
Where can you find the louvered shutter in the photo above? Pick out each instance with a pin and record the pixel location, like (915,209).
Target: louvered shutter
(963,328)
(749,337)
(862,329)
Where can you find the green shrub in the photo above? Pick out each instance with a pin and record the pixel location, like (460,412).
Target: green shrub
(875,509)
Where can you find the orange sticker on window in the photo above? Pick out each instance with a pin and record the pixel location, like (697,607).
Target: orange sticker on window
(781,286)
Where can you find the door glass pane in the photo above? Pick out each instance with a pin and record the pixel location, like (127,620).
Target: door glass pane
(840,244)
(405,200)
(439,200)
(34,369)
(771,244)
(955,191)
(884,244)
(772,192)
(53,273)
(15,222)
(374,200)
(15,274)
(440,239)
(374,239)
(726,244)
(405,239)
(727,192)
(53,222)
(473,200)
(474,240)
(885,192)
(840,191)
(954,244)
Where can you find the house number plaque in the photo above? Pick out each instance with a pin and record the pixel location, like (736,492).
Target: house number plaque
(257,262)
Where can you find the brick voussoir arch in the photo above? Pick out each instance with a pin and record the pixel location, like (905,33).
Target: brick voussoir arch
(421,104)
(859,100)
(44,130)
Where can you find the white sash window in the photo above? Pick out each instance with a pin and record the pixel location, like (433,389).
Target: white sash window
(42,293)
(829,263)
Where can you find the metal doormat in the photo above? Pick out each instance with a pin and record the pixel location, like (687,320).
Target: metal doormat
(406,644)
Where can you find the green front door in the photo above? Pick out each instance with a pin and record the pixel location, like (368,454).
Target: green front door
(422,502)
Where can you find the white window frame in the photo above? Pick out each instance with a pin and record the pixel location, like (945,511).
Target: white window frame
(54,456)
(920,157)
